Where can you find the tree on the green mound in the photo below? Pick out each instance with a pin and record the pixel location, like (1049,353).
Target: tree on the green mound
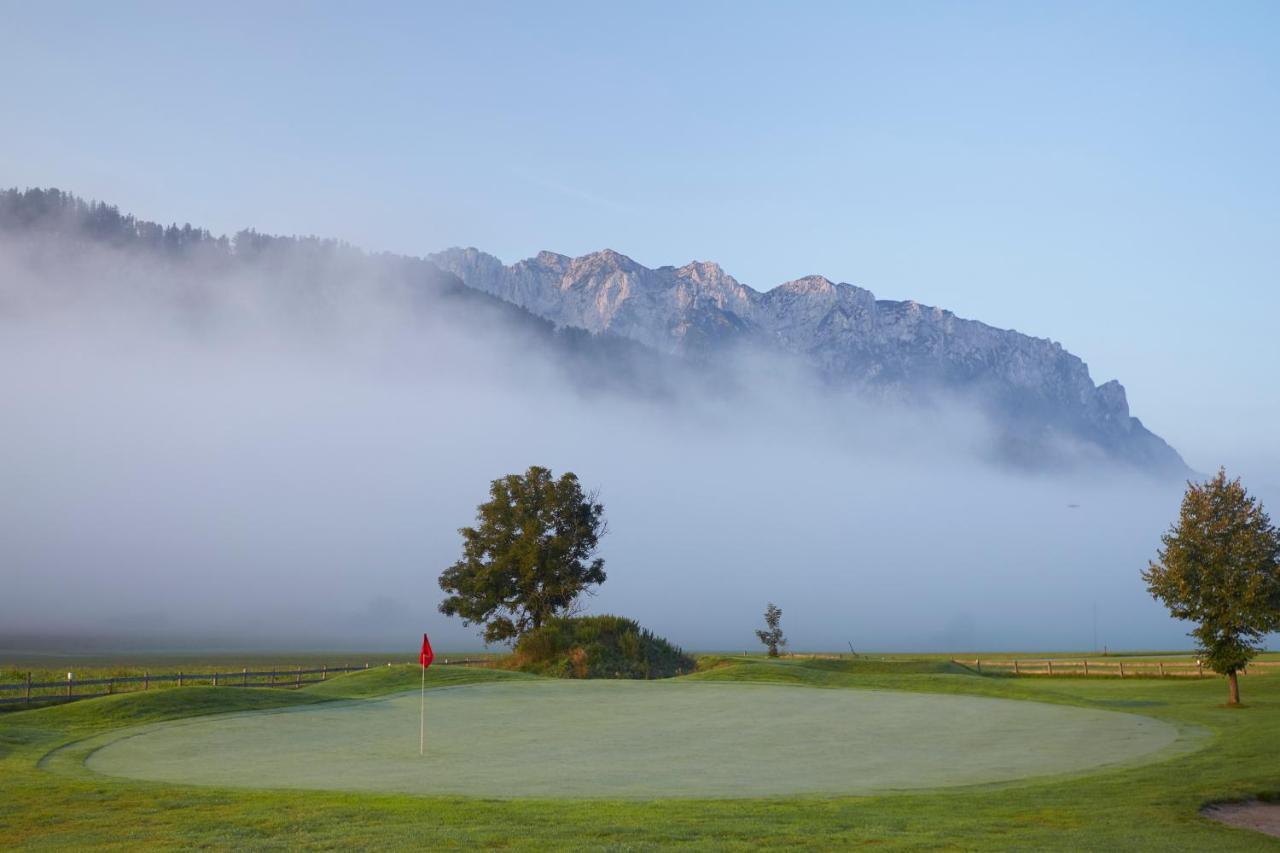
(529,557)
(771,635)
(1220,568)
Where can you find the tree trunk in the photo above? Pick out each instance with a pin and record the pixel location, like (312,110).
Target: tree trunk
(1235,688)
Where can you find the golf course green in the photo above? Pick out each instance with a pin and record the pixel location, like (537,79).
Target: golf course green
(1069,762)
(631,739)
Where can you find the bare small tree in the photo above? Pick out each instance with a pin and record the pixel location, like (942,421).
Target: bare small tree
(771,635)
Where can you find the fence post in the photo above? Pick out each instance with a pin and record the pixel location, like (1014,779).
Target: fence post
(179,678)
(1050,667)
(324,671)
(70,678)
(1086,666)
(1200,668)
(1015,666)
(111,686)
(977,664)
(1122,669)
(146,679)
(299,681)
(244,677)
(273,678)
(28,688)
(1161,665)
(215,678)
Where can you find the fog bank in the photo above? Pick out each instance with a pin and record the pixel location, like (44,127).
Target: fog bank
(192,451)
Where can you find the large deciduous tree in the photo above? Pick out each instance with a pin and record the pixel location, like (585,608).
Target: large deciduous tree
(529,557)
(1220,568)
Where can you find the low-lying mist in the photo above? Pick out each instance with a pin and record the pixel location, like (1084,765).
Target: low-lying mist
(281,454)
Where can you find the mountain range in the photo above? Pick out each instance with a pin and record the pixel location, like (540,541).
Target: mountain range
(1041,395)
(612,323)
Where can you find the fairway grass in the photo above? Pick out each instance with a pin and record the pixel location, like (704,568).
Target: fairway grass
(50,799)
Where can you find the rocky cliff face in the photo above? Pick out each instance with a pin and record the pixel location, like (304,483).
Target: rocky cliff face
(1041,395)
(672,310)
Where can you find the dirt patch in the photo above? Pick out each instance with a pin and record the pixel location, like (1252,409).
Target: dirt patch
(1254,814)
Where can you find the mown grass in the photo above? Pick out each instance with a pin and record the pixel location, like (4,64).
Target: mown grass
(394,679)
(1153,807)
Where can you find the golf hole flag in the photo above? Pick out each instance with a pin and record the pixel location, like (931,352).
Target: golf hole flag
(426,656)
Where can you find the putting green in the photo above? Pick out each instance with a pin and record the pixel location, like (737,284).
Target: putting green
(637,739)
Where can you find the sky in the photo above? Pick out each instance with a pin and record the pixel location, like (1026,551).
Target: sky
(1100,174)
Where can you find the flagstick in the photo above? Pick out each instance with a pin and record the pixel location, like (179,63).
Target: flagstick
(422,715)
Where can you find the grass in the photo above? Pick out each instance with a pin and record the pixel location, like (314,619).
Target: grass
(14,666)
(57,804)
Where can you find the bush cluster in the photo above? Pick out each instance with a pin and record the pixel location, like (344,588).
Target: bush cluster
(598,647)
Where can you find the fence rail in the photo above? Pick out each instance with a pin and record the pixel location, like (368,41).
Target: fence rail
(84,688)
(1121,668)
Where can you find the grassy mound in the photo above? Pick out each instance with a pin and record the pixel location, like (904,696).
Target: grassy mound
(598,647)
(383,680)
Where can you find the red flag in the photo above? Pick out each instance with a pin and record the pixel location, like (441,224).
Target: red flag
(427,656)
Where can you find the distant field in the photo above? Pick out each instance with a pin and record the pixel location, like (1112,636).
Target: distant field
(15,665)
(50,799)
(1136,655)
(28,678)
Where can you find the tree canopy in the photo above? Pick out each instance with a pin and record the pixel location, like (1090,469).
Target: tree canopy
(1220,568)
(529,557)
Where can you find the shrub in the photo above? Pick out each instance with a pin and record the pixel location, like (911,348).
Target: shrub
(598,647)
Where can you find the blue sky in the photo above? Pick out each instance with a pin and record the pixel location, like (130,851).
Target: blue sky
(1102,174)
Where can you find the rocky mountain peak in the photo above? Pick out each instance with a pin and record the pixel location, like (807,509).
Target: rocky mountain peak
(809,284)
(606,259)
(552,259)
(702,272)
(850,338)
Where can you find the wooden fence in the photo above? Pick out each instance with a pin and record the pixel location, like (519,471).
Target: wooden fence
(29,691)
(1114,668)
(72,688)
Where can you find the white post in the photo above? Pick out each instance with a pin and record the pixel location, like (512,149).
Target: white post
(422,715)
